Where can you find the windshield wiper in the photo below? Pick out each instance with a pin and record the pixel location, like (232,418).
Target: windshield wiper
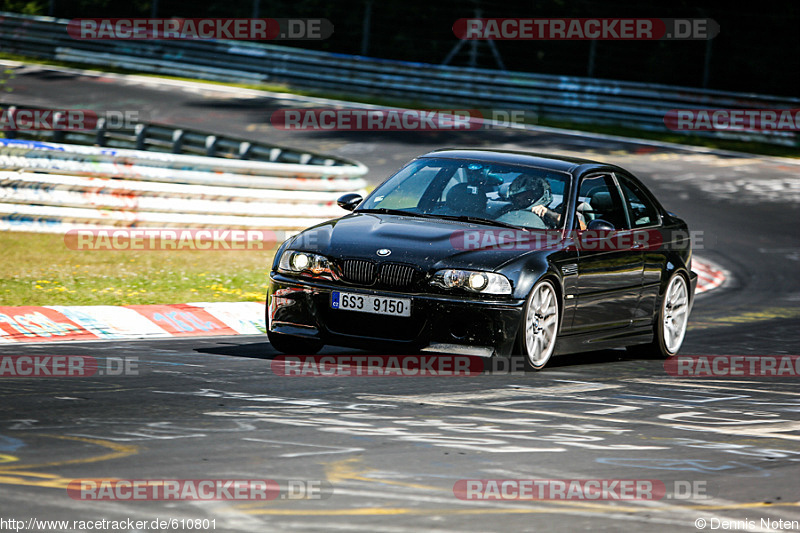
(479,220)
(459,218)
(386,211)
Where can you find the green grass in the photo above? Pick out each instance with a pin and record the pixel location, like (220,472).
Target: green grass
(622,131)
(39,269)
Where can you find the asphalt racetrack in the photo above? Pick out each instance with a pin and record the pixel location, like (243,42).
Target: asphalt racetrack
(386,452)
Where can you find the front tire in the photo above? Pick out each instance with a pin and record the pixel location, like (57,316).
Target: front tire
(291,345)
(536,339)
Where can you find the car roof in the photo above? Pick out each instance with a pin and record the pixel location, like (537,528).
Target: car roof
(554,162)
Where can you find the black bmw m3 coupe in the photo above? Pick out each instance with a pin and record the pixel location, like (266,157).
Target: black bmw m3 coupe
(489,253)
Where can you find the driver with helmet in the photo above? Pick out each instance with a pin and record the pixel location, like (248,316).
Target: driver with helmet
(530,196)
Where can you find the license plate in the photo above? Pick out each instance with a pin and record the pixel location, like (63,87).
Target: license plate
(379,305)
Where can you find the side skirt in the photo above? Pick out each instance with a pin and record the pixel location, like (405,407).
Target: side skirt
(604,340)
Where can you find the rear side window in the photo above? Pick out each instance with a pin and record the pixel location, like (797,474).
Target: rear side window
(641,210)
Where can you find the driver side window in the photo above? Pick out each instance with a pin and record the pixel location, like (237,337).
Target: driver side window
(598,199)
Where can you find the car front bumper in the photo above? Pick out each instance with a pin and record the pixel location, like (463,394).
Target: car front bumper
(302,308)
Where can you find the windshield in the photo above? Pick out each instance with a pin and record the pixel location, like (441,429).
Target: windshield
(527,197)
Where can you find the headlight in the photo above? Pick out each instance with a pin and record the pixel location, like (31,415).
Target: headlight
(295,262)
(483,282)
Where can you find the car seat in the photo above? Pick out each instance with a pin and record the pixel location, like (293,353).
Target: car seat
(466,199)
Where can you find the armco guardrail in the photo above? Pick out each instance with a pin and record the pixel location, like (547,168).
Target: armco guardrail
(631,104)
(157,175)
(51,187)
(164,138)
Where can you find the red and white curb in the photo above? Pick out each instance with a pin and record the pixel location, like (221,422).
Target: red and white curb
(710,275)
(107,322)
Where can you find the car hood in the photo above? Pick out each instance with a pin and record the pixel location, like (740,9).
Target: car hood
(427,243)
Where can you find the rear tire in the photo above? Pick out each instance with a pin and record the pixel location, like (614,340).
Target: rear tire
(291,345)
(536,339)
(671,321)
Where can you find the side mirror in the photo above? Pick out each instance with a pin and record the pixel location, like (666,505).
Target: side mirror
(599,224)
(349,201)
